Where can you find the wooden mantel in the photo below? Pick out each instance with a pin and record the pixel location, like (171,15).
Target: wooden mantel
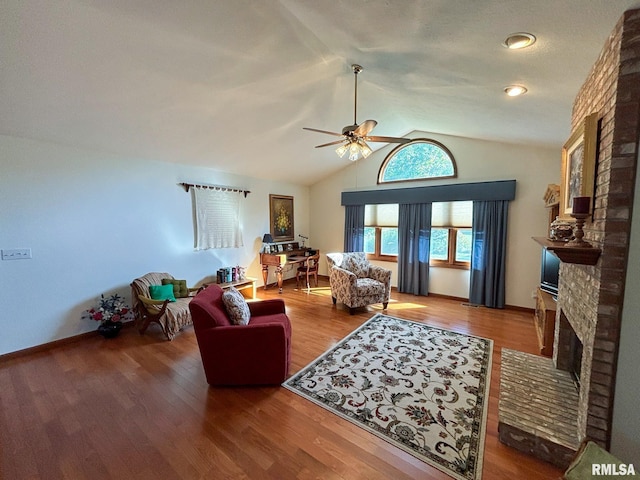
(570,254)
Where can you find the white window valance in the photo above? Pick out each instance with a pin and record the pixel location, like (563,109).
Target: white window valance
(217,215)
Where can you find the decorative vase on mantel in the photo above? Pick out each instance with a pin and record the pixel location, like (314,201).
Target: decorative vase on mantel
(560,230)
(109,329)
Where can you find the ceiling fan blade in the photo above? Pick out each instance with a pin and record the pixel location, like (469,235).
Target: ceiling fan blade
(365,127)
(322,131)
(387,139)
(330,143)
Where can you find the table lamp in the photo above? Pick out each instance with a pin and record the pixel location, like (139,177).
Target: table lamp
(266,239)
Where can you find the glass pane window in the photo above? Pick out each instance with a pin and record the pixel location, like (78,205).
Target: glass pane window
(370,240)
(450,247)
(463,245)
(389,241)
(381,232)
(439,244)
(419,159)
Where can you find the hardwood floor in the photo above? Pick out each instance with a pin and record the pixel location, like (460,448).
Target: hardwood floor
(139,407)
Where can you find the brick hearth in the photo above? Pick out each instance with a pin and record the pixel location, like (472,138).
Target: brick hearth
(538,407)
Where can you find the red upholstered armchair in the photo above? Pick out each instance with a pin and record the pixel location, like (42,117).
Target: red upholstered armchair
(254,354)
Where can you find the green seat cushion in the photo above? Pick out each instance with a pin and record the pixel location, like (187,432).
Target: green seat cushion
(582,466)
(162,292)
(180,289)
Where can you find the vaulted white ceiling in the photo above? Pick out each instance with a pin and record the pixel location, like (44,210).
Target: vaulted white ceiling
(229,84)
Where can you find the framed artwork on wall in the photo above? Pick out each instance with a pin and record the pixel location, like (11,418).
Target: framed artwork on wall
(579,165)
(281,217)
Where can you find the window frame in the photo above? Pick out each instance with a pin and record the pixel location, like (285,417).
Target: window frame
(415,141)
(451,261)
(377,255)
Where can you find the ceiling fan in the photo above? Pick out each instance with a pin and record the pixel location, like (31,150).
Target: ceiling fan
(355,137)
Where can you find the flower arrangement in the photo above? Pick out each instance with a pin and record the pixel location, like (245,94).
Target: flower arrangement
(109,309)
(283,221)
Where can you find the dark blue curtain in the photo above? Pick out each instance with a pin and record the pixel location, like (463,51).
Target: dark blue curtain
(414,231)
(354,228)
(486,283)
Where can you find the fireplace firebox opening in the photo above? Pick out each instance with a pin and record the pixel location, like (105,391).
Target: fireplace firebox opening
(575,358)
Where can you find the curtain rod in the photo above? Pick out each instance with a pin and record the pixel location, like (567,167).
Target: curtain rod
(224,188)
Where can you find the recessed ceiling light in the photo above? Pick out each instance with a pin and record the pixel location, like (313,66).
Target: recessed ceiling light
(515,90)
(517,41)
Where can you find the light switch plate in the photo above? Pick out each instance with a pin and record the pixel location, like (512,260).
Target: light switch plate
(16,253)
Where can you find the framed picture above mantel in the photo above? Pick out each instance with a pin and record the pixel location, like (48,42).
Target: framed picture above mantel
(281,217)
(579,165)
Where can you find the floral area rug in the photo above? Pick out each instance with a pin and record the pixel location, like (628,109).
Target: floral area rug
(421,388)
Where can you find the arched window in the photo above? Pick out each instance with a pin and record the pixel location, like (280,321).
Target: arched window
(419,159)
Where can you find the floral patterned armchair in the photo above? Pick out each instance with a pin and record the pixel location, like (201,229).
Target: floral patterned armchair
(357,283)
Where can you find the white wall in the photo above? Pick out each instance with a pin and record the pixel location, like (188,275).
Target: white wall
(477,160)
(94,222)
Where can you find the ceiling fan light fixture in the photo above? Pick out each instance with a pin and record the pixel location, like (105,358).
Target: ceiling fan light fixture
(515,90)
(365,150)
(354,151)
(342,149)
(355,148)
(518,41)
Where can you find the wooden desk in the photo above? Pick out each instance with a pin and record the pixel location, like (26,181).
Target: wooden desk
(280,260)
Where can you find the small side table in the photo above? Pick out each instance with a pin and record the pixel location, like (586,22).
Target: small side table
(245,286)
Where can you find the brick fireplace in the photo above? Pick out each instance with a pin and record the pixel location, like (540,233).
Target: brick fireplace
(590,298)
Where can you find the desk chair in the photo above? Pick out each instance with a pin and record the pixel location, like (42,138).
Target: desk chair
(309,268)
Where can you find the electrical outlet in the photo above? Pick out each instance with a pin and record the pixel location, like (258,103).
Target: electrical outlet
(16,253)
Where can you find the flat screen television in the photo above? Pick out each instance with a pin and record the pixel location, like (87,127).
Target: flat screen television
(549,272)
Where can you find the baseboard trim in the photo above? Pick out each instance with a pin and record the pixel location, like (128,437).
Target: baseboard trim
(56,343)
(521,309)
(466,300)
(448,297)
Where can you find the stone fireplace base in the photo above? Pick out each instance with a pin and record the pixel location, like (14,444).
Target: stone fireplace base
(538,408)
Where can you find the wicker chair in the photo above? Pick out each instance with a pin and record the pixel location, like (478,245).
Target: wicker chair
(171,316)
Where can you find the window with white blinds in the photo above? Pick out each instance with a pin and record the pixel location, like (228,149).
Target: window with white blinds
(381,231)
(450,242)
(381,215)
(444,214)
(450,239)
(451,214)
(217,215)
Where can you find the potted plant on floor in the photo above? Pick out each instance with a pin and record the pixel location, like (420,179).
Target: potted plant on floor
(110,312)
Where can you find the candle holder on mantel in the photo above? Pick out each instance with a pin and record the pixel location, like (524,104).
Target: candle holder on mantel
(578,233)
(580,212)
